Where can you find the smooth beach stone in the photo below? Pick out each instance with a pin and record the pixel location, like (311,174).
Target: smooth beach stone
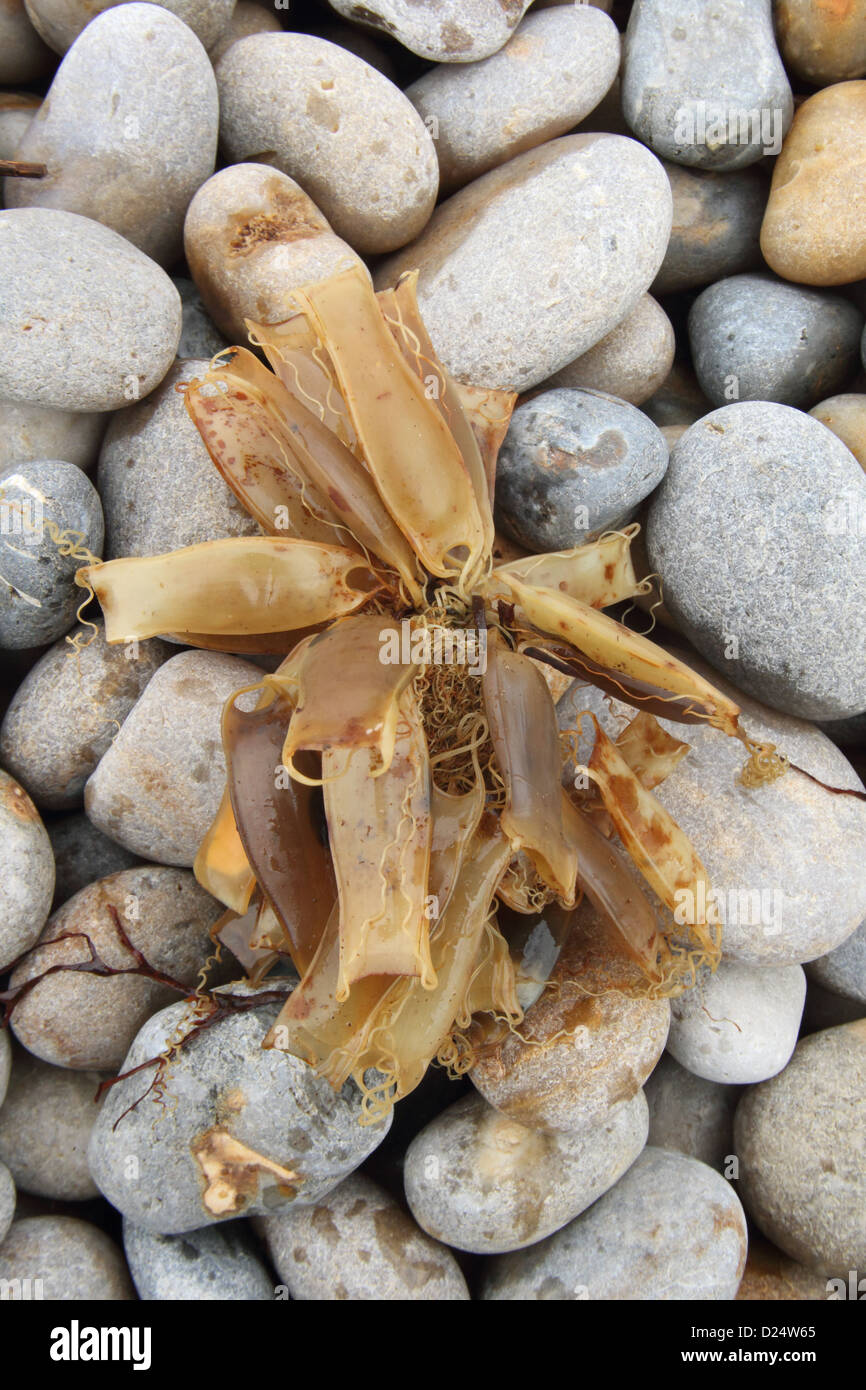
(159,489)
(67,710)
(26,871)
(691,1115)
(769,1276)
(159,785)
(32,432)
(76,1019)
(824,43)
(62,1258)
(357,1244)
(45,1126)
(23,55)
(446,31)
(550,74)
(7,1200)
(112,152)
(757,533)
(199,336)
(585,1053)
(716,226)
(778,906)
(83,854)
(813,229)
(351,138)
(631,361)
(846,417)
(755,338)
(242,1129)
(199,1266)
(61,21)
(536,261)
(479,1181)
(671,1229)
(824,1009)
(252,236)
(38,595)
(247,18)
(843,970)
(5,1062)
(64,277)
(740,1024)
(800,1139)
(16,112)
(573,464)
(705,85)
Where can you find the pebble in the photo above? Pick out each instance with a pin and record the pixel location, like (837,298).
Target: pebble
(199,1266)
(739,1025)
(247,18)
(631,361)
(83,854)
(64,278)
(846,417)
(62,1258)
(755,338)
(66,711)
(822,43)
(32,432)
(813,225)
(716,226)
(770,1276)
(199,336)
(671,1229)
(548,77)
(780,569)
(5,1062)
(843,970)
(237,1124)
(779,906)
(691,1115)
(677,403)
(26,872)
(359,42)
(350,137)
(112,152)
(77,1019)
(827,1010)
(23,55)
(586,1055)
(39,597)
(800,1139)
(358,1245)
(479,1181)
(573,464)
(692,78)
(159,785)
(446,31)
(535,262)
(17,110)
(61,21)
(7,1201)
(159,488)
(45,1126)
(252,236)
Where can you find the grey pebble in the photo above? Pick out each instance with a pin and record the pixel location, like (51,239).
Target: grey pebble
(209,1265)
(7,1200)
(825,1009)
(32,432)
(691,1115)
(843,970)
(447,31)
(23,55)
(45,1127)
(83,854)
(740,1024)
(26,871)
(61,21)
(199,336)
(716,226)
(631,361)
(16,112)
(62,1258)
(248,17)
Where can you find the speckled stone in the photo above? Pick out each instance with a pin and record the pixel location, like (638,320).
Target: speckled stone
(631,361)
(769,1276)
(671,1229)
(86,1021)
(23,55)
(357,1244)
(66,711)
(822,43)
(744,553)
(446,31)
(247,18)
(716,227)
(159,786)
(846,417)
(5,1062)
(32,432)
(199,1266)
(843,970)
(813,226)
(199,336)
(17,110)
(548,77)
(159,489)
(64,277)
(299,1137)
(38,595)
(45,1126)
(83,854)
(535,262)
(690,1115)
(26,871)
(692,76)
(348,135)
(800,1139)
(252,236)
(72,1260)
(479,1181)
(61,21)
(755,338)
(740,1024)
(573,464)
(7,1200)
(111,151)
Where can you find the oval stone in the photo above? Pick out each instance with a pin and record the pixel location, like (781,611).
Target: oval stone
(65,1259)
(843,970)
(247,18)
(215,1263)
(631,361)
(45,1126)
(32,432)
(26,871)
(446,31)
(846,417)
(739,1025)
(691,1115)
(822,43)
(716,226)
(83,854)
(23,55)
(16,112)
(61,21)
